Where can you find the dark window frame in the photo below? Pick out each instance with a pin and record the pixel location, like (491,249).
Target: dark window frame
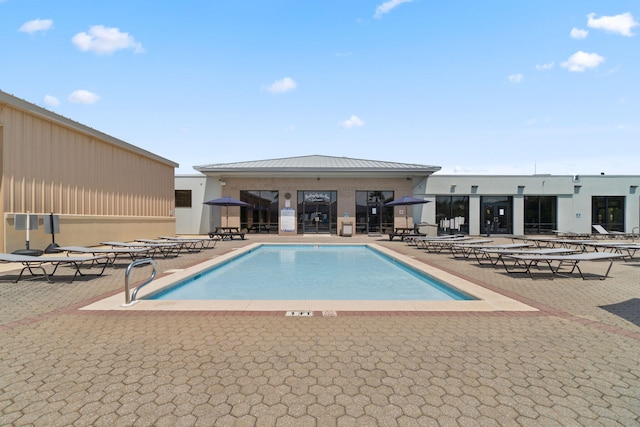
(183,198)
(609,212)
(536,208)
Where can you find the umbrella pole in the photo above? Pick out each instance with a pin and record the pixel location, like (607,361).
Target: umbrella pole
(406,216)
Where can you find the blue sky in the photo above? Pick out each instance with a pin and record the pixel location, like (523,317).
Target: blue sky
(499,87)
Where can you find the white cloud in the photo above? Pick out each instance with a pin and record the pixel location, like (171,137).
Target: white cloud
(105,40)
(515,78)
(36,25)
(353,122)
(281,86)
(580,61)
(387,6)
(619,24)
(51,101)
(83,97)
(545,67)
(579,34)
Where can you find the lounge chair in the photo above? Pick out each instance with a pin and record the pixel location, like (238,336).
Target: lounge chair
(526,262)
(571,234)
(465,250)
(32,263)
(461,249)
(494,256)
(199,242)
(187,245)
(111,253)
(602,232)
(436,244)
(627,249)
(165,248)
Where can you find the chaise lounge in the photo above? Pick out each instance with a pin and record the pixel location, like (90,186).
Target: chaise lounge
(32,263)
(527,262)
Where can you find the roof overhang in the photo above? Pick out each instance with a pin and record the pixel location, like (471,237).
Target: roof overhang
(317,167)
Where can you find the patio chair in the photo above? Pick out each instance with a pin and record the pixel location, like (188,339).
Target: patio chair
(526,262)
(495,255)
(111,253)
(32,263)
(602,232)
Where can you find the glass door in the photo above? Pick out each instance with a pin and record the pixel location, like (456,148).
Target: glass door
(496,215)
(318,212)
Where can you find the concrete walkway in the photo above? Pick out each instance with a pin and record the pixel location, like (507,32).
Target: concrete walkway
(576,361)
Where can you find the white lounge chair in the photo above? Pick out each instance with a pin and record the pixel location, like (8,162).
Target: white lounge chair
(570,260)
(433,242)
(602,232)
(494,256)
(627,249)
(465,250)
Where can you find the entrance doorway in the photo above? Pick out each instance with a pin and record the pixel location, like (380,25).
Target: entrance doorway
(372,216)
(317,217)
(318,212)
(496,215)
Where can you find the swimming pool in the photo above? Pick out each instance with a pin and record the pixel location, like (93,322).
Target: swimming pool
(311,272)
(483,298)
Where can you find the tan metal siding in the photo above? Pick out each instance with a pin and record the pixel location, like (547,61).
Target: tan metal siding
(51,168)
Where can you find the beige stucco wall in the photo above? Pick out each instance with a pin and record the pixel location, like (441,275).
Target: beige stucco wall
(78,230)
(50,164)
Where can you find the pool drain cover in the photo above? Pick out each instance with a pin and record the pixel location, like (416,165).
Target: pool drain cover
(299,313)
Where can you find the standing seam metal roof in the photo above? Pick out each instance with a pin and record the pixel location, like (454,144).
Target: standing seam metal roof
(316,162)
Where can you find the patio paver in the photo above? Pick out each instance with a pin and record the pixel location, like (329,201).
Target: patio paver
(574,362)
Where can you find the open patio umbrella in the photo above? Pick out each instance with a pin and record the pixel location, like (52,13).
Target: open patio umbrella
(406,201)
(226,201)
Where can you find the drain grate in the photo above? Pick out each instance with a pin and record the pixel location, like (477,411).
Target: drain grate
(329,314)
(299,313)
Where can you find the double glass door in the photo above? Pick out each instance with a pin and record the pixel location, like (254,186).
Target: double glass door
(496,215)
(317,217)
(318,212)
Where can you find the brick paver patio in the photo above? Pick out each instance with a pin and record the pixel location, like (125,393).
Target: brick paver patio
(575,362)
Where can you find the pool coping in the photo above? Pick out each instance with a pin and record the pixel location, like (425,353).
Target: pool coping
(488,300)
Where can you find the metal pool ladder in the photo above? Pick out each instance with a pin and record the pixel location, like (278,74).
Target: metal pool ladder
(130,298)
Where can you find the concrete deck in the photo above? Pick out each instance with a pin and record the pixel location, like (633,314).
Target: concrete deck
(574,360)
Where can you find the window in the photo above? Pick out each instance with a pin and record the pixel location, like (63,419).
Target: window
(262,215)
(608,211)
(183,198)
(540,213)
(452,214)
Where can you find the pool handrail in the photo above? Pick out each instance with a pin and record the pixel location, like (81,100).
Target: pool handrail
(130,298)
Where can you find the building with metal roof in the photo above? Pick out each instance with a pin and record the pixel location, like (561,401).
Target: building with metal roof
(319,194)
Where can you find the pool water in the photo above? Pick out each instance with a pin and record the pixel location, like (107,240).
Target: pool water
(311,272)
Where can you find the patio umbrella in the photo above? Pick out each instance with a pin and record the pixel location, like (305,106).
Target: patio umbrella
(406,201)
(226,201)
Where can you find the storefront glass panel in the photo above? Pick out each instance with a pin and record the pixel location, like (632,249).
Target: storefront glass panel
(540,214)
(371,214)
(608,211)
(262,215)
(452,214)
